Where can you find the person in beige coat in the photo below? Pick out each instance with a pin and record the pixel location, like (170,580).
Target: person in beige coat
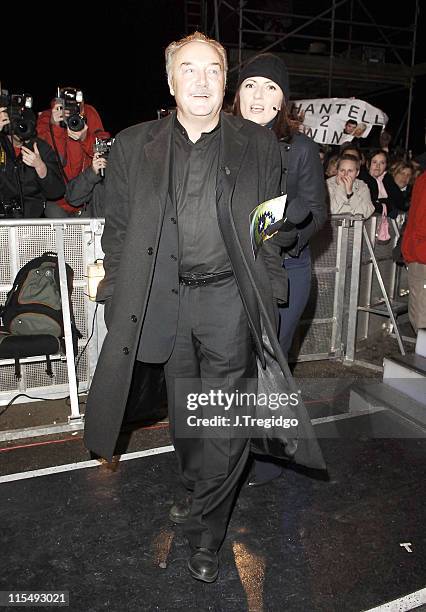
(348,194)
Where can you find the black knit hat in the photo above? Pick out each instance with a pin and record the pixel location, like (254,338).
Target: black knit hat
(269,66)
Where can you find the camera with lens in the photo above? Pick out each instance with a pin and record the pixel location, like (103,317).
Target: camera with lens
(73,104)
(103,146)
(22,118)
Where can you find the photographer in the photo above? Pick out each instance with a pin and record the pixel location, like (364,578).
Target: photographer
(29,173)
(73,147)
(86,190)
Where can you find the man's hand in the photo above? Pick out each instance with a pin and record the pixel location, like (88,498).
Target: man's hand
(57,114)
(81,135)
(33,159)
(4,117)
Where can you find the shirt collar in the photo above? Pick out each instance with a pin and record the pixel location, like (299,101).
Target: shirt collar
(179,127)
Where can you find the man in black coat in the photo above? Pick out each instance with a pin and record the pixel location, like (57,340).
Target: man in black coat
(183,288)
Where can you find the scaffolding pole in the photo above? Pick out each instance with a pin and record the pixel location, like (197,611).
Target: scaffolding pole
(331,62)
(410,93)
(248,22)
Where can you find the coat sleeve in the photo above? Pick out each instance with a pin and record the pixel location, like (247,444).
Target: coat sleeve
(271,251)
(310,194)
(373,188)
(339,203)
(79,190)
(52,185)
(116,218)
(363,202)
(414,238)
(395,201)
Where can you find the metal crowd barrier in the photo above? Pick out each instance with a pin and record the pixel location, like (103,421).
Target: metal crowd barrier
(350,288)
(77,242)
(336,317)
(378,275)
(319,334)
(379,290)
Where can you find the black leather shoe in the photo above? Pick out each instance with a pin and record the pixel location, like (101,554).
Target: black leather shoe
(180,511)
(204,564)
(258,481)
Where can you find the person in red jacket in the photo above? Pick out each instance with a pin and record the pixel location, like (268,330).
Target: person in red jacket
(74,148)
(414,253)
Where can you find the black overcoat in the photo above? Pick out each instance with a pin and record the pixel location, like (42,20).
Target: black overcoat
(136,192)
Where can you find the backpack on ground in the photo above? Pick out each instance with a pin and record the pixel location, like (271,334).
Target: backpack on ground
(33,305)
(17,347)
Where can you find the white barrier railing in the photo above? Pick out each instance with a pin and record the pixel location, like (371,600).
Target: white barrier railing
(342,279)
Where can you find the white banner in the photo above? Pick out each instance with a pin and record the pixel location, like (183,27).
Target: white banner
(337,120)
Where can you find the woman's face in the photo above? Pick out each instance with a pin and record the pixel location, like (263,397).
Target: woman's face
(377,165)
(331,169)
(403,177)
(260,99)
(347,168)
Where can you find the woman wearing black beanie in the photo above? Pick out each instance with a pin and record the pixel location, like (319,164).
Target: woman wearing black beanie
(262,96)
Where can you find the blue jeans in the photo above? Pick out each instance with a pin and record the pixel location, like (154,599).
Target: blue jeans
(299,270)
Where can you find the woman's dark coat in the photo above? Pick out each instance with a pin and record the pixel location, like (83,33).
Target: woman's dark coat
(303,181)
(136,193)
(395,200)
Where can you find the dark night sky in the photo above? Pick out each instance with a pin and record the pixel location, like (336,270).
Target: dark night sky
(115,53)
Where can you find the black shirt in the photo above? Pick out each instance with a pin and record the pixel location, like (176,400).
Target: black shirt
(195,170)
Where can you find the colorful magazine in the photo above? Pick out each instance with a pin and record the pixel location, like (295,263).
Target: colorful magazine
(265,220)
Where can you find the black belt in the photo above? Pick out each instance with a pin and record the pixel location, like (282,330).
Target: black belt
(195,280)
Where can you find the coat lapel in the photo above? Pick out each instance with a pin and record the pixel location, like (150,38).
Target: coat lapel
(233,147)
(158,153)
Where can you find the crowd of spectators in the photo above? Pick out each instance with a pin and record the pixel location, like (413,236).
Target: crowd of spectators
(389,177)
(51,169)
(62,176)
(387,183)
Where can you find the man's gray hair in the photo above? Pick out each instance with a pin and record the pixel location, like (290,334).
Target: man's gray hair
(195,37)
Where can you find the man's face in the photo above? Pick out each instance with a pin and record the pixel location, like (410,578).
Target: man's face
(350,128)
(198,80)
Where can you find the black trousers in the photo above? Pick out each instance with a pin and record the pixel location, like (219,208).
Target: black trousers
(213,350)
